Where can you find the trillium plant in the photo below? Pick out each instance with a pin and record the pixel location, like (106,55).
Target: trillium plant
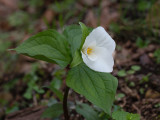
(86,54)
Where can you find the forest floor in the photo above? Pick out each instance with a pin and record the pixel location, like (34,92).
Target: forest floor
(135,26)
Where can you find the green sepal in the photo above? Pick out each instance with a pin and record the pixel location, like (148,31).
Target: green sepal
(85,33)
(77,59)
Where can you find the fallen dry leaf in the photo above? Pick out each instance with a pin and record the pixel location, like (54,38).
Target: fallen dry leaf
(105,3)
(89,2)
(32,113)
(144,59)
(12,4)
(152,94)
(107,16)
(49,15)
(91,19)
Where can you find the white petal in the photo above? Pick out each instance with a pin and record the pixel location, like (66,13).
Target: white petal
(102,38)
(92,56)
(103,63)
(91,44)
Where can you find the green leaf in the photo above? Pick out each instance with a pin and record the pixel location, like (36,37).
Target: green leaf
(53,112)
(121,73)
(142,43)
(85,33)
(115,28)
(119,115)
(131,84)
(122,115)
(87,112)
(56,82)
(28,94)
(119,96)
(73,35)
(77,59)
(143,5)
(157,55)
(58,93)
(132,116)
(130,72)
(12,109)
(135,67)
(38,90)
(49,46)
(98,88)
(55,86)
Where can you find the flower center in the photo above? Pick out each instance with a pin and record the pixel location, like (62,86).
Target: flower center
(89,50)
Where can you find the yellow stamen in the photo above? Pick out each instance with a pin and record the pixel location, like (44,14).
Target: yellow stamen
(89,50)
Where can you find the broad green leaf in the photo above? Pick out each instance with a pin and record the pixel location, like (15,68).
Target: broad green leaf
(77,59)
(73,35)
(87,112)
(85,33)
(122,115)
(53,112)
(98,88)
(49,46)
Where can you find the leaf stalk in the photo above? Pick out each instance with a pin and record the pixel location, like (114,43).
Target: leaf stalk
(65,108)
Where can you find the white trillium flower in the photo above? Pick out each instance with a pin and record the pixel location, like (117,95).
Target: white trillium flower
(97,50)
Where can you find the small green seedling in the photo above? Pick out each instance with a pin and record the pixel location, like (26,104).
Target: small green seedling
(157,55)
(142,43)
(123,73)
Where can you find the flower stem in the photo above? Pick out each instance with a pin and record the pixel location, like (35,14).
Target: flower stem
(65,109)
